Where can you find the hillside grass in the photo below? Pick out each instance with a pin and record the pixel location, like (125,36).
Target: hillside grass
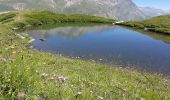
(160,24)
(23,19)
(34,75)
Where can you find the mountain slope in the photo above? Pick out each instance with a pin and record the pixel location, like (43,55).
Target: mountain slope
(151,12)
(120,9)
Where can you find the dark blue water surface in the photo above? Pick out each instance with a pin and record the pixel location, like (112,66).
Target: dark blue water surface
(107,44)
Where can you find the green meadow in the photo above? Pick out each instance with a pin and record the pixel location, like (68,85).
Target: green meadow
(160,24)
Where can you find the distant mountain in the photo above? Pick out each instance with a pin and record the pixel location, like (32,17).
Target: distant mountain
(119,9)
(151,12)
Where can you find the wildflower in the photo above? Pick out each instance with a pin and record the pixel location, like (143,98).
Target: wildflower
(52,78)
(142,99)
(79,93)
(91,91)
(100,98)
(44,75)
(14,52)
(41,98)
(92,83)
(22,95)
(72,86)
(36,71)
(166,80)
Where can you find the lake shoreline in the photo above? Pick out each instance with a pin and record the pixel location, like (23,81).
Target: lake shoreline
(142,29)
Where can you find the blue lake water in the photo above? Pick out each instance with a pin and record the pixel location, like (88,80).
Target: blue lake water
(107,44)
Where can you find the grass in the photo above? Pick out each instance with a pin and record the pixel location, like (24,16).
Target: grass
(23,19)
(6,17)
(34,75)
(160,24)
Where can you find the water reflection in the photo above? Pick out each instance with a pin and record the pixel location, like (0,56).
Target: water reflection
(68,32)
(162,37)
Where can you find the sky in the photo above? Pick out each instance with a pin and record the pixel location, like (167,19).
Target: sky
(161,4)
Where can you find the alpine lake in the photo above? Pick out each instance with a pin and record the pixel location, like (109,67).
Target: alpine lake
(106,44)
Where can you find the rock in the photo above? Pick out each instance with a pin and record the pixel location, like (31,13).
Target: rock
(22,96)
(30,41)
(42,39)
(62,79)
(3,59)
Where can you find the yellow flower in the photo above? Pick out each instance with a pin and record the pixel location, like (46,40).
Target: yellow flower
(14,52)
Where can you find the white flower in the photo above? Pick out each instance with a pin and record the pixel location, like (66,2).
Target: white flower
(142,99)
(100,98)
(91,92)
(52,78)
(72,86)
(79,93)
(44,75)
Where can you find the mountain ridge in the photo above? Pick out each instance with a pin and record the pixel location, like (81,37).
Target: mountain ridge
(107,8)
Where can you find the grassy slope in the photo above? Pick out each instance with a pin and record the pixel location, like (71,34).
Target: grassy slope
(33,74)
(24,19)
(160,24)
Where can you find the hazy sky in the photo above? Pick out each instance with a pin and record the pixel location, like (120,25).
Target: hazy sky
(162,4)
